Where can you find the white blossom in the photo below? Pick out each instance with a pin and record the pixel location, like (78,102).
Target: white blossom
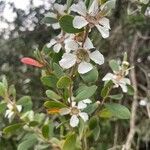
(92,17)
(57,11)
(58,42)
(118,80)
(76,111)
(11,111)
(76,54)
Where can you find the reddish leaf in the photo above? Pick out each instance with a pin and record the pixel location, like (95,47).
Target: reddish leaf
(32,62)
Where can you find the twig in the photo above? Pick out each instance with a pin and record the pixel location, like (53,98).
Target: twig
(131,133)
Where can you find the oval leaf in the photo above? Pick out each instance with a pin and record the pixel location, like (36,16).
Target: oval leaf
(64,82)
(52,95)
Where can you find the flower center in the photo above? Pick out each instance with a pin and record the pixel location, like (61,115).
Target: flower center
(82,55)
(74,111)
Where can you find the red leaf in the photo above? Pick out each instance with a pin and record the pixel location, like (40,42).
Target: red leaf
(32,62)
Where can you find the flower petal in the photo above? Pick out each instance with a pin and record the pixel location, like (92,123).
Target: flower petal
(68,60)
(104,31)
(84,67)
(124,88)
(94,8)
(79,22)
(84,116)
(56,26)
(88,44)
(57,47)
(60,8)
(64,111)
(51,43)
(105,22)
(19,108)
(81,105)
(70,45)
(51,14)
(80,8)
(87,101)
(74,121)
(108,76)
(97,57)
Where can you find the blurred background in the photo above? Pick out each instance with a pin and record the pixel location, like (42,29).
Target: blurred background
(22,31)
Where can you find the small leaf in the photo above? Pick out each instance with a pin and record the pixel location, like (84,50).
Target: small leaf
(2,89)
(28,143)
(49,20)
(106,89)
(91,76)
(91,108)
(105,113)
(2,107)
(54,104)
(86,92)
(33,123)
(130,90)
(114,65)
(12,128)
(52,95)
(116,97)
(45,131)
(58,71)
(32,62)
(26,103)
(49,81)
(64,82)
(70,142)
(118,111)
(67,25)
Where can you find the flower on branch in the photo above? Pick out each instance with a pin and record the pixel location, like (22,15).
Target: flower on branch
(118,77)
(76,54)
(92,17)
(56,12)
(58,42)
(76,111)
(12,110)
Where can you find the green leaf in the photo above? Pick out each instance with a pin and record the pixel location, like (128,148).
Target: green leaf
(52,95)
(130,90)
(118,111)
(28,143)
(58,71)
(69,2)
(54,104)
(106,89)
(12,128)
(86,92)
(2,107)
(114,65)
(91,76)
(105,113)
(49,81)
(94,127)
(116,97)
(49,20)
(70,142)
(91,108)
(45,131)
(2,89)
(67,25)
(26,103)
(12,91)
(33,123)
(64,82)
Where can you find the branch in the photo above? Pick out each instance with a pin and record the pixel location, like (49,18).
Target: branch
(131,133)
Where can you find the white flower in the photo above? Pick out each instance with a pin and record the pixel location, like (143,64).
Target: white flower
(58,42)
(81,56)
(11,112)
(91,17)
(76,111)
(118,80)
(57,11)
